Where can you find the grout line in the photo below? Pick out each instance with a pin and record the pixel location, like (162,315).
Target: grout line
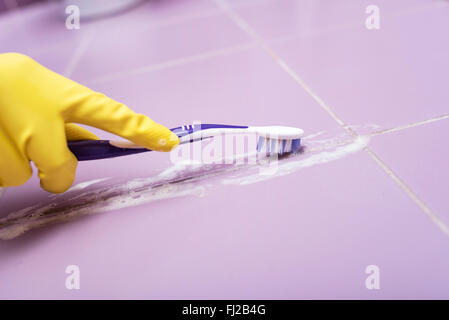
(352,25)
(407,126)
(177,20)
(172,63)
(79,52)
(433,216)
(172,21)
(246,28)
(322,104)
(240,22)
(158,66)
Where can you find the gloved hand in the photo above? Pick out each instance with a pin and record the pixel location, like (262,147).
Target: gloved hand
(37,110)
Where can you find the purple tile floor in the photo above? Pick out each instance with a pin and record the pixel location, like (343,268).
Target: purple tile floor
(370,189)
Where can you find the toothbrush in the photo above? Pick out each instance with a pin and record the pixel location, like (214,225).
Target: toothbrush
(272,139)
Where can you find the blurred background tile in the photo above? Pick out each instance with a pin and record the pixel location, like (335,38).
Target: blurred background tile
(392,76)
(2,6)
(35,27)
(251,89)
(117,50)
(22,3)
(272,19)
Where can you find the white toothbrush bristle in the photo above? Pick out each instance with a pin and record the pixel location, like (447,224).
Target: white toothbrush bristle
(278,146)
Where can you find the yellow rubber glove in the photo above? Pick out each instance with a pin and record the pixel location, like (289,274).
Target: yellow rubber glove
(37,110)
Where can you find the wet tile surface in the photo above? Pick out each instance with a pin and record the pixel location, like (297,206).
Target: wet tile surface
(309,231)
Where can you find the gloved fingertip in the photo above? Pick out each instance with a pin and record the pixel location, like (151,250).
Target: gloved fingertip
(168,142)
(162,139)
(57,185)
(55,189)
(153,136)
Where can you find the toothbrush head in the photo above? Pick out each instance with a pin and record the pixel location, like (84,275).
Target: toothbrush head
(278,139)
(278,146)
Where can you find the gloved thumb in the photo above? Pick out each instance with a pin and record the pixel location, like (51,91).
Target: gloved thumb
(49,152)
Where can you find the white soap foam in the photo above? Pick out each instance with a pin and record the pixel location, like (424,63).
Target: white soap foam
(85,184)
(98,200)
(304,162)
(185,178)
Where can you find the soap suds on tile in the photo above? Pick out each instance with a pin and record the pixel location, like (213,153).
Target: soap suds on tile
(93,201)
(185,178)
(86,184)
(309,160)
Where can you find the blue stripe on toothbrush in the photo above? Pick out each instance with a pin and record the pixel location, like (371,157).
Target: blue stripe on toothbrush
(189,129)
(296,145)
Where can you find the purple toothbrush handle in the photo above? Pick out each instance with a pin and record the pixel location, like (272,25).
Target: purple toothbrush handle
(102,149)
(99,149)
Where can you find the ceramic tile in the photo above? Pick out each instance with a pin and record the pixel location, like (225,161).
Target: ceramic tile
(310,234)
(245,87)
(38,27)
(419,157)
(307,18)
(388,77)
(117,51)
(158,230)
